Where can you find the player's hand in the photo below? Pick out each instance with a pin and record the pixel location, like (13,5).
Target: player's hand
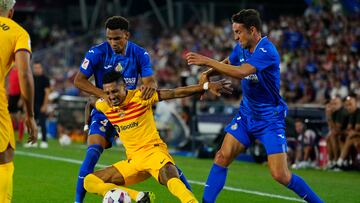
(197,59)
(32,129)
(146,92)
(221,86)
(107,99)
(43,108)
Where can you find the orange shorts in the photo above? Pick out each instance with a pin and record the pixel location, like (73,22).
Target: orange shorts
(144,164)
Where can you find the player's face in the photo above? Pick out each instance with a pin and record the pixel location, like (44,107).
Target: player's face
(117,40)
(242,35)
(116,92)
(350,104)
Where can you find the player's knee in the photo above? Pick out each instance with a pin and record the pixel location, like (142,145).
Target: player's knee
(223,158)
(281,176)
(89,182)
(167,172)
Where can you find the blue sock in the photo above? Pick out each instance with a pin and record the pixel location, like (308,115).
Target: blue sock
(214,183)
(298,185)
(92,156)
(183,178)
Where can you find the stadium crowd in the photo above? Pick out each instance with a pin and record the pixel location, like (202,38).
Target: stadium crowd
(320,59)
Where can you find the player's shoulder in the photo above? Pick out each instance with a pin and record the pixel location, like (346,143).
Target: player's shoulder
(12,26)
(266,47)
(99,48)
(136,49)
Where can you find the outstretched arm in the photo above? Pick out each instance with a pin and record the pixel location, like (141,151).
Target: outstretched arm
(233,71)
(218,87)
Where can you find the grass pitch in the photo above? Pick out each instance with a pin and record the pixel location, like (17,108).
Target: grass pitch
(49,175)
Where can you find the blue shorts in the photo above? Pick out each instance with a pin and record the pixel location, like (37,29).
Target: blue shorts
(270,132)
(100,125)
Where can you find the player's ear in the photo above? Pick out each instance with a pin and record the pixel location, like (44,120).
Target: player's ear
(127,35)
(11,13)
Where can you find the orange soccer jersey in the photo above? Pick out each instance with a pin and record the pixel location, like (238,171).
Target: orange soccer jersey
(13,38)
(134,121)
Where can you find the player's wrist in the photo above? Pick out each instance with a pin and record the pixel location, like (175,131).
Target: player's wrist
(205,86)
(86,127)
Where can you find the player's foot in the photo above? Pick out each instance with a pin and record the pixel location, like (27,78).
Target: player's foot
(44,145)
(145,197)
(29,145)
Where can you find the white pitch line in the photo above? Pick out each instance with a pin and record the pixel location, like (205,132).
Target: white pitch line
(74,161)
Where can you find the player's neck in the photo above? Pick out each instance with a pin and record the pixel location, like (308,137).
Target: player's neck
(256,41)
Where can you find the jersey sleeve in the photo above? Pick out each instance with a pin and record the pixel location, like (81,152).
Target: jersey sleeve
(23,42)
(234,56)
(261,59)
(89,63)
(101,105)
(144,63)
(152,100)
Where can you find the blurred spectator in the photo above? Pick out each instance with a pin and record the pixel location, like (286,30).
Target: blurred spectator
(351,149)
(15,104)
(337,117)
(42,91)
(305,146)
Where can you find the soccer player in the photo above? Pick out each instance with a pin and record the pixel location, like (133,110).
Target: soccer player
(146,153)
(102,59)
(255,61)
(14,45)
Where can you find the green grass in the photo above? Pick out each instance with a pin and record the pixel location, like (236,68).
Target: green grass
(43,180)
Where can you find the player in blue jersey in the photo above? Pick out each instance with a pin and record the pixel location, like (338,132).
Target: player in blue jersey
(256,62)
(120,55)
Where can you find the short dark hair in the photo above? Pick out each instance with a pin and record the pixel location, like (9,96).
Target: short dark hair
(113,77)
(117,22)
(248,17)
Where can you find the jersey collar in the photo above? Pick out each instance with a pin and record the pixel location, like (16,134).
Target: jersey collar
(259,43)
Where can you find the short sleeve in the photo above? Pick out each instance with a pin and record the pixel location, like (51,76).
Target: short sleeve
(152,100)
(101,105)
(261,59)
(23,42)
(234,56)
(89,63)
(144,63)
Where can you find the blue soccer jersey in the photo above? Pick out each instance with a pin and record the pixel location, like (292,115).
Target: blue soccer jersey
(101,59)
(262,110)
(261,90)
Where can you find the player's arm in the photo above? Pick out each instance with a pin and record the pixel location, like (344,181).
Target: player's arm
(205,76)
(82,82)
(88,108)
(26,81)
(238,72)
(218,87)
(148,88)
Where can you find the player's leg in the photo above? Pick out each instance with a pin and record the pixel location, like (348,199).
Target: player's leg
(106,179)
(274,140)
(280,172)
(96,145)
(168,175)
(230,149)
(6,174)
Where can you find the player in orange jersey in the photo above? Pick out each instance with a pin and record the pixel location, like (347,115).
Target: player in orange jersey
(147,154)
(14,45)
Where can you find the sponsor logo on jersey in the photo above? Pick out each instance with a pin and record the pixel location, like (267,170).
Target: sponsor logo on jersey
(252,78)
(130,81)
(85,64)
(129,126)
(263,50)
